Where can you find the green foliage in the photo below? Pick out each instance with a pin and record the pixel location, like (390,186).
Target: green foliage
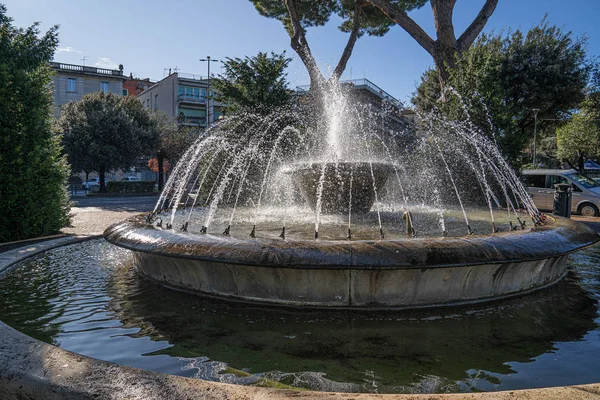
(104,131)
(173,140)
(130,187)
(33,172)
(317,13)
(503,78)
(256,82)
(579,138)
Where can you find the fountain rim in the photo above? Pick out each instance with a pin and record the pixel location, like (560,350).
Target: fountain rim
(559,237)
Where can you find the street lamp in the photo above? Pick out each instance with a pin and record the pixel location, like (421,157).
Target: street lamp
(208,60)
(535,113)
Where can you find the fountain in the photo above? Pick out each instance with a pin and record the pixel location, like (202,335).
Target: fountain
(348,213)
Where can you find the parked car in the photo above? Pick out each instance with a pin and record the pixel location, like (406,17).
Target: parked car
(87,185)
(586,192)
(130,179)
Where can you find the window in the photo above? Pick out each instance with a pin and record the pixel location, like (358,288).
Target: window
(535,180)
(583,181)
(104,87)
(71,85)
(203,92)
(556,179)
(156,102)
(148,103)
(125,92)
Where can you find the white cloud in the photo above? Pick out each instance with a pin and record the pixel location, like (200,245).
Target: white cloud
(106,62)
(68,50)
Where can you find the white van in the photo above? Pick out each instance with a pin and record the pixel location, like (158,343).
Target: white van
(586,192)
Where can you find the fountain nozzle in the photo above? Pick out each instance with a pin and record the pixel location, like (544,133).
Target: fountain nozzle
(169,226)
(184,227)
(444,233)
(410,230)
(316,234)
(470,231)
(226,231)
(282,235)
(253,233)
(494,229)
(149,218)
(381,235)
(159,223)
(349,236)
(203,229)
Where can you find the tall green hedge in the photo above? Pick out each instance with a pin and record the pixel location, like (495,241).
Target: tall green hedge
(33,172)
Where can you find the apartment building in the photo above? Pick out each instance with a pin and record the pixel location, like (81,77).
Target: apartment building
(183,97)
(71,82)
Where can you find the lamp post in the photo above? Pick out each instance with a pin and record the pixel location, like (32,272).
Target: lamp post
(208,60)
(535,113)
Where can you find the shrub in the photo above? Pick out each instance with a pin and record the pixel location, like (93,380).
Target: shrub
(33,173)
(130,187)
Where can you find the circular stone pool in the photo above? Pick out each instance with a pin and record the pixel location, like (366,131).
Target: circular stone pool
(87,298)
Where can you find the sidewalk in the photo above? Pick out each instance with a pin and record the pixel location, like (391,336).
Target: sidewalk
(91,215)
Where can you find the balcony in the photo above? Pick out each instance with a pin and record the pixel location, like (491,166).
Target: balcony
(186,98)
(195,121)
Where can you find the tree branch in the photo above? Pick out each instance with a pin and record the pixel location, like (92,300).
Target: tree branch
(300,45)
(470,34)
(341,66)
(400,17)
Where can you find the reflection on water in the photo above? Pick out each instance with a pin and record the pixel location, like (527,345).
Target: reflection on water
(87,298)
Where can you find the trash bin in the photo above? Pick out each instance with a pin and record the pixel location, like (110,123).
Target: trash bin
(562,200)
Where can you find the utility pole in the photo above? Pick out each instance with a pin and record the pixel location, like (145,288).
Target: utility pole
(535,113)
(208,60)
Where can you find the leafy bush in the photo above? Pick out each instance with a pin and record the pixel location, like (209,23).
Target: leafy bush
(130,187)
(33,173)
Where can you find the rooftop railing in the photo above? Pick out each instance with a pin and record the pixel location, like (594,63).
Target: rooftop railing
(195,77)
(85,68)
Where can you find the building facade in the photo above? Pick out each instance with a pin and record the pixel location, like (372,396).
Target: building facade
(71,82)
(184,98)
(134,86)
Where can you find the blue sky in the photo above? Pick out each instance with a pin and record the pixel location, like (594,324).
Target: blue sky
(147,36)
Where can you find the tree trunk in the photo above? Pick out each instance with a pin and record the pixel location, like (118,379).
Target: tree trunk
(580,161)
(300,45)
(161,171)
(101,175)
(341,67)
(446,47)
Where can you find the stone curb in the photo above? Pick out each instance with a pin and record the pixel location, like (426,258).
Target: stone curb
(30,369)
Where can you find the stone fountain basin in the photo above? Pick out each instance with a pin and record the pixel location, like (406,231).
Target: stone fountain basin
(384,274)
(347,185)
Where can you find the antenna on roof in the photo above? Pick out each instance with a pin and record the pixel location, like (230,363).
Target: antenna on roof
(176,69)
(83,59)
(164,72)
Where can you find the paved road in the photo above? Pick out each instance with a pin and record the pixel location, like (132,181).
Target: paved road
(125,203)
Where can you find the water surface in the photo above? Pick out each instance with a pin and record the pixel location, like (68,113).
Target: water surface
(87,298)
